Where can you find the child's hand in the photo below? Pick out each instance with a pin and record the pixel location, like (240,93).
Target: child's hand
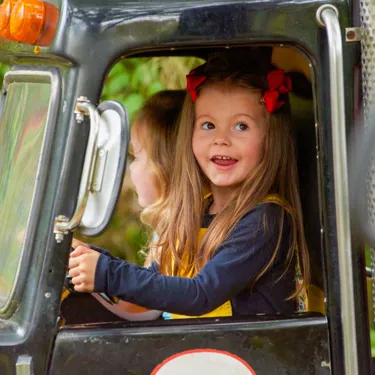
(76,243)
(82,266)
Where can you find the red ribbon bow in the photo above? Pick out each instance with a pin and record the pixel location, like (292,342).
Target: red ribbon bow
(278,83)
(193,80)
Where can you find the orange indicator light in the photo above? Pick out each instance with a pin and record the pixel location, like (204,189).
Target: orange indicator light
(5,12)
(26,20)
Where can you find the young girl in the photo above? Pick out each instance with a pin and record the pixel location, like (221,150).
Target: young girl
(153,140)
(235,141)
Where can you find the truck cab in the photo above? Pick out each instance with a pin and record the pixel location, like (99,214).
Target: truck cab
(63,158)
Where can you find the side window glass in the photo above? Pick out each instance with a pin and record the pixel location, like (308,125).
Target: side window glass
(22,128)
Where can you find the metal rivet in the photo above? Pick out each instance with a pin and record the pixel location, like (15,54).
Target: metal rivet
(350,35)
(353,34)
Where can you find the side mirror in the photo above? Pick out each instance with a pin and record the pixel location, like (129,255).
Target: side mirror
(110,164)
(103,169)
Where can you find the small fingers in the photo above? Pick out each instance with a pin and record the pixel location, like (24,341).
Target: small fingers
(77,280)
(76,243)
(79,250)
(74,262)
(82,285)
(76,252)
(74,272)
(79,287)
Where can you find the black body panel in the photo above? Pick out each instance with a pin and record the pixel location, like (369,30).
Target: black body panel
(290,346)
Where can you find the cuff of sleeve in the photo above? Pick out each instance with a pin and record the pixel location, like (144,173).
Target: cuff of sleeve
(100,284)
(99,249)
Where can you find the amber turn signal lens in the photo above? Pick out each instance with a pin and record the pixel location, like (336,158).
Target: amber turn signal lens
(50,25)
(5,12)
(26,20)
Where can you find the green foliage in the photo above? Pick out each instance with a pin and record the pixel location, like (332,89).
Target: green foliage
(3,69)
(132,81)
(372,332)
(129,83)
(368,256)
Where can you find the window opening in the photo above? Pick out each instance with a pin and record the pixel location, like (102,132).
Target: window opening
(22,128)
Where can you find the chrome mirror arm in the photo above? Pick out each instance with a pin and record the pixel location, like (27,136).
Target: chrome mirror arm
(63,224)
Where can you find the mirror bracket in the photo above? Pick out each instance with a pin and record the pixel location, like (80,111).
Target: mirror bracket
(103,168)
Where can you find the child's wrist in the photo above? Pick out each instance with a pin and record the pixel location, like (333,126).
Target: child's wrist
(100,280)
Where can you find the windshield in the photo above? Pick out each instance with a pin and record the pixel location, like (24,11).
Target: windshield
(22,128)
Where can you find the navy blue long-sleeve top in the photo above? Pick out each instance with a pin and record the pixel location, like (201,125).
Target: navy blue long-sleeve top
(227,276)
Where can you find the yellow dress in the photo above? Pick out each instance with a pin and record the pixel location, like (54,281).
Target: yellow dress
(312,300)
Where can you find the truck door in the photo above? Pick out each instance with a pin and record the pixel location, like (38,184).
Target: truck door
(30,103)
(35,229)
(298,344)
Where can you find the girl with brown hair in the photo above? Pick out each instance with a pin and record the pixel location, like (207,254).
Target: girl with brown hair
(152,145)
(235,143)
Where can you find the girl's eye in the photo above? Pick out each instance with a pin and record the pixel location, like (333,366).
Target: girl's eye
(241,127)
(208,126)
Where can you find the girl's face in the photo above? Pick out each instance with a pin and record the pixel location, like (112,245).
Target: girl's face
(141,173)
(228,134)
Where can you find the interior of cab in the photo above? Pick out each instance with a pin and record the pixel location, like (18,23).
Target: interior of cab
(83,308)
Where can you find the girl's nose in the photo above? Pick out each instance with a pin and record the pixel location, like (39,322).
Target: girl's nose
(222,139)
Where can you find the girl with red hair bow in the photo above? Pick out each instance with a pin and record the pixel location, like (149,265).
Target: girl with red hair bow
(234,251)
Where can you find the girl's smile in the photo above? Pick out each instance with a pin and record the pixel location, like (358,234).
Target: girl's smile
(228,134)
(223,162)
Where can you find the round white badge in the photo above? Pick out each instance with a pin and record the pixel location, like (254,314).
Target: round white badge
(203,362)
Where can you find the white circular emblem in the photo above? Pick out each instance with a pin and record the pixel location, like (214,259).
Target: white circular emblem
(203,362)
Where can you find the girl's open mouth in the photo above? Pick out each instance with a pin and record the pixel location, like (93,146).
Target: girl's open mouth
(223,160)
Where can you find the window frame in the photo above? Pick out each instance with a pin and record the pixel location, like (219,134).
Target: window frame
(32,75)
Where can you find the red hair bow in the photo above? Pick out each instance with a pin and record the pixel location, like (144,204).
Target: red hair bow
(278,83)
(193,80)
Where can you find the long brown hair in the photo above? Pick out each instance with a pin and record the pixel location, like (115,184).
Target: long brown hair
(184,208)
(155,126)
